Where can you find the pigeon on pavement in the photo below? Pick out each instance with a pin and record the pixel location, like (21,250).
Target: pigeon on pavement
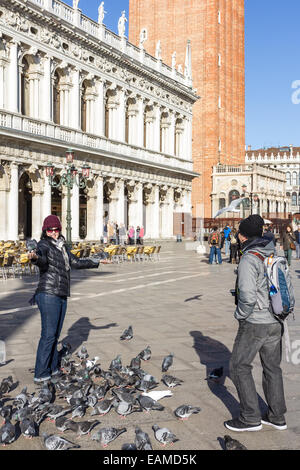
(142,440)
(130,446)
(82,353)
(183,412)
(215,374)
(145,355)
(127,334)
(147,403)
(233,444)
(82,427)
(167,362)
(107,435)
(28,428)
(163,435)
(7,432)
(116,363)
(54,442)
(171,381)
(6,384)
(102,408)
(62,423)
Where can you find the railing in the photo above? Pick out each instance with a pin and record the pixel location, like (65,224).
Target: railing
(75,17)
(69,136)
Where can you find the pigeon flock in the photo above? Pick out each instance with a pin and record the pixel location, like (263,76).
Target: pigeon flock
(84,388)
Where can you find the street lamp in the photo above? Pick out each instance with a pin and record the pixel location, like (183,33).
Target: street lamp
(69,179)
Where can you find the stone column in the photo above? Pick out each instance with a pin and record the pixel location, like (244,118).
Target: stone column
(99,108)
(91,212)
(46,111)
(121,203)
(36,213)
(152,214)
(75,120)
(75,212)
(121,115)
(46,199)
(13,79)
(13,203)
(171,136)
(140,123)
(156,131)
(99,209)
(3,203)
(3,86)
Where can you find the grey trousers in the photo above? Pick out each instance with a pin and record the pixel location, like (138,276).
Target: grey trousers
(265,339)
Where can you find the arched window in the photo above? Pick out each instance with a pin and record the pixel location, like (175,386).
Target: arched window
(164,127)
(294,199)
(234,194)
(288,178)
(179,128)
(294,180)
(222,202)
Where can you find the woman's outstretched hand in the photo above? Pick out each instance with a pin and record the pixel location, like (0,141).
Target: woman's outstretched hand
(32,255)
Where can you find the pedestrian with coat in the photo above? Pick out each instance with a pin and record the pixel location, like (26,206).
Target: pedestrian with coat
(259,332)
(288,243)
(214,242)
(297,242)
(54,260)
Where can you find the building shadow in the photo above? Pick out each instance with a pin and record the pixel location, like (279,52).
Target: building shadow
(79,332)
(214,354)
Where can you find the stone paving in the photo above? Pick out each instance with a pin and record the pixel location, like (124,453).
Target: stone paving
(179,304)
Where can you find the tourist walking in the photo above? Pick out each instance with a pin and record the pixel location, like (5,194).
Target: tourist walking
(54,261)
(288,243)
(258,332)
(214,242)
(131,234)
(142,232)
(138,235)
(297,242)
(227,231)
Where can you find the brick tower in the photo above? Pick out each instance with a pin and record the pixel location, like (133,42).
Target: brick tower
(216,31)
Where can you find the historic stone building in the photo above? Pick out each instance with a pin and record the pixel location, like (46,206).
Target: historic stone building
(286,159)
(263,188)
(67,81)
(215,29)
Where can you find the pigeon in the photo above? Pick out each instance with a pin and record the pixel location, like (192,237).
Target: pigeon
(142,440)
(135,363)
(107,435)
(124,395)
(215,374)
(144,385)
(145,355)
(90,363)
(47,393)
(6,384)
(82,353)
(233,444)
(55,411)
(7,432)
(116,363)
(171,381)
(28,428)
(6,412)
(65,353)
(92,400)
(101,391)
(231,208)
(167,362)
(53,442)
(102,408)
(147,403)
(21,400)
(127,334)
(20,414)
(130,446)
(163,435)
(82,427)
(183,412)
(158,394)
(123,408)
(62,423)
(79,411)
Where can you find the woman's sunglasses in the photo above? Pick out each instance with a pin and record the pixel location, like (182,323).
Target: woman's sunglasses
(53,230)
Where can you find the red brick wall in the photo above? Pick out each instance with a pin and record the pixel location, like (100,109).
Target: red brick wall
(173,22)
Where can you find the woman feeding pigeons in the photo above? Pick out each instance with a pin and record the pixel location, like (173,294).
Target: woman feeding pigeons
(54,261)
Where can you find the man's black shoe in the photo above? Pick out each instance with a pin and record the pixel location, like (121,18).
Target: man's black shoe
(239,426)
(279,426)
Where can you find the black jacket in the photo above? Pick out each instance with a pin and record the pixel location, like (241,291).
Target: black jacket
(54,277)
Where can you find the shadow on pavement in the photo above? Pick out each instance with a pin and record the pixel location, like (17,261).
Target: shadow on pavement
(79,332)
(214,354)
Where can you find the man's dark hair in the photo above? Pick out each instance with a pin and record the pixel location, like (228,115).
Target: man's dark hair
(215,228)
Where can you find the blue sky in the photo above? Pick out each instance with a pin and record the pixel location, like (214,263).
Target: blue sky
(272,39)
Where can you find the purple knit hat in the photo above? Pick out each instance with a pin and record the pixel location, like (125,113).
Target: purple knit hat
(50,222)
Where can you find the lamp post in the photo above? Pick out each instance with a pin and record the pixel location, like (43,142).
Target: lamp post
(69,179)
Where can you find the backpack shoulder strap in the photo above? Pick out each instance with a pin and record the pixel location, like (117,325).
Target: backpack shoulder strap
(260,256)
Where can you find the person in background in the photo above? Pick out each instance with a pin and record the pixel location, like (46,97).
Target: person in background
(138,235)
(122,234)
(227,231)
(233,247)
(54,260)
(268,233)
(297,242)
(288,243)
(214,242)
(131,235)
(142,232)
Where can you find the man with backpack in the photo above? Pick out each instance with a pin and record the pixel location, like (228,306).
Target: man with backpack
(214,242)
(259,332)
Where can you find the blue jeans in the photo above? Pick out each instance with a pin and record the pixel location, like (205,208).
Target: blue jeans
(227,246)
(264,339)
(215,252)
(53,310)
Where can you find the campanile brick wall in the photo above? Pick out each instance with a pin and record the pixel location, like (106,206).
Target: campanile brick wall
(216,31)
